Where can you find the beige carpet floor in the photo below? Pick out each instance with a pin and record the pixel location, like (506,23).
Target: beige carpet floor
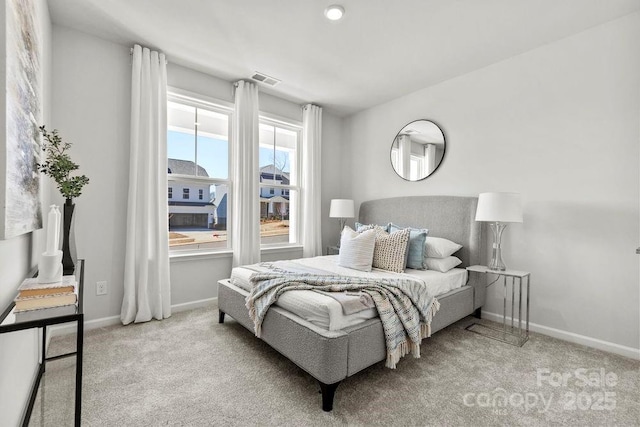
(190,370)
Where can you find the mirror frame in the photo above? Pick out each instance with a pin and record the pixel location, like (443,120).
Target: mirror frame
(444,151)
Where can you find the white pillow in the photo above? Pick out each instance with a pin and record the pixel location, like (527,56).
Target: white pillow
(442,264)
(356,249)
(437,247)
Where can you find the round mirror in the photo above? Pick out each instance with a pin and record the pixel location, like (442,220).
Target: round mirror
(417,150)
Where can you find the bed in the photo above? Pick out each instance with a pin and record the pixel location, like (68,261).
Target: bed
(331,354)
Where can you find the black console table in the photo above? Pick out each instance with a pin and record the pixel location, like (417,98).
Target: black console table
(8,324)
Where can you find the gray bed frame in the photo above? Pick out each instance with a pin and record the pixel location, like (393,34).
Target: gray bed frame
(331,356)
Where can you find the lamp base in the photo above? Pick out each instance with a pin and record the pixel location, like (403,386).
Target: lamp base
(496,263)
(496,259)
(343,222)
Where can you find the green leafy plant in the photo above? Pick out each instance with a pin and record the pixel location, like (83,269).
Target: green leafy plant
(58,165)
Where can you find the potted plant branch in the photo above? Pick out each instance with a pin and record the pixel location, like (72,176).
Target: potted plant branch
(59,166)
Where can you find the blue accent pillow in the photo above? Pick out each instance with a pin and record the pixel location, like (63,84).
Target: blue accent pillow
(417,238)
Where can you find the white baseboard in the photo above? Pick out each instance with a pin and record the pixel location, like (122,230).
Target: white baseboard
(115,320)
(176,308)
(633,353)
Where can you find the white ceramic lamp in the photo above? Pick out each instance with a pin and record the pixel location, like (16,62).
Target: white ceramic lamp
(343,209)
(498,209)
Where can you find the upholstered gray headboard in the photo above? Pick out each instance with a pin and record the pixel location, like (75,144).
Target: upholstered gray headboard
(451,217)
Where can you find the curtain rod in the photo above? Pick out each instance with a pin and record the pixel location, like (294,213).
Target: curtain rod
(304,107)
(131,55)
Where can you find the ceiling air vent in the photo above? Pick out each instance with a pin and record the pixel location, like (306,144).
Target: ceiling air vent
(263,78)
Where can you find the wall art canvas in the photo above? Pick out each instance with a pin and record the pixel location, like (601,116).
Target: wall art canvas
(20,150)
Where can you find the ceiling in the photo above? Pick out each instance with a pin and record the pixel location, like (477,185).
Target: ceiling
(423,132)
(379,51)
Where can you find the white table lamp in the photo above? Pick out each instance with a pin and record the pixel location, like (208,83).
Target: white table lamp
(498,209)
(343,209)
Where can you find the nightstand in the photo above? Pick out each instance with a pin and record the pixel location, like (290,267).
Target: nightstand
(512,280)
(333,250)
(9,322)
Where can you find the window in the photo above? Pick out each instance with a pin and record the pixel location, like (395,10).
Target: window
(416,168)
(279,184)
(198,153)
(198,161)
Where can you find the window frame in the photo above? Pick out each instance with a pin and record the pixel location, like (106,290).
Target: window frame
(418,171)
(294,221)
(199,101)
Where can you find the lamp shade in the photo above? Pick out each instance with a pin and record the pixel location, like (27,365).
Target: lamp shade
(499,207)
(342,208)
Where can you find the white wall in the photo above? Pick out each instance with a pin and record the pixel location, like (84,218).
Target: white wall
(333,184)
(19,350)
(91,109)
(91,96)
(560,124)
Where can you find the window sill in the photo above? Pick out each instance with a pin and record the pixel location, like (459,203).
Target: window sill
(280,248)
(227,253)
(198,255)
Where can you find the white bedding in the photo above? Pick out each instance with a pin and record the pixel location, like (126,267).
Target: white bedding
(325,311)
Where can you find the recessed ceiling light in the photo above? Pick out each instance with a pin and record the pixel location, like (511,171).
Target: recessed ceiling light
(334,12)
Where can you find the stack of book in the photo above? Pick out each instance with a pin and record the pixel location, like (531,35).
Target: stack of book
(39,300)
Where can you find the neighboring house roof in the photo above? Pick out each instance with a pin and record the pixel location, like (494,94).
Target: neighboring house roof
(267,173)
(185,167)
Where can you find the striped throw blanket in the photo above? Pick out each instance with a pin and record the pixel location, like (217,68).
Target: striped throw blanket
(405,306)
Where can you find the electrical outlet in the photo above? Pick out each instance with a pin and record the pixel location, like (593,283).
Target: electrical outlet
(101,288)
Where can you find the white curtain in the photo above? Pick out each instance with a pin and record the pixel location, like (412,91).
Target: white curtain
(245,227)
(311,179)
(146,271)
(404,156)
(430,159)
